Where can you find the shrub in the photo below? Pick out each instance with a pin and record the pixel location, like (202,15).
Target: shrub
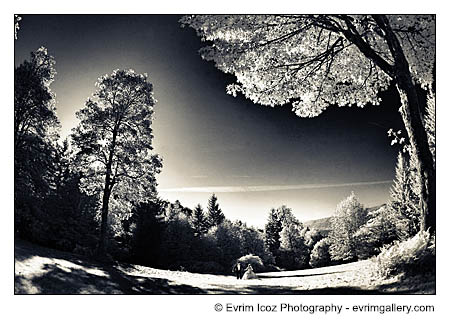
(254,260)
(320,255)
(381,229)
(413,256)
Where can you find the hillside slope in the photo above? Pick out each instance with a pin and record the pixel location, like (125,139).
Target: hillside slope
(41,270)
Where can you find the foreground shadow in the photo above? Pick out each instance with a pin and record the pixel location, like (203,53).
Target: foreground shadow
(281,290)
(263,276)
(57,280)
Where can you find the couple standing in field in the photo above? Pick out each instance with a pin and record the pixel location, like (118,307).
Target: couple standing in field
(240,274)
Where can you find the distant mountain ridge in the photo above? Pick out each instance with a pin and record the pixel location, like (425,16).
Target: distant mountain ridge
(323,225)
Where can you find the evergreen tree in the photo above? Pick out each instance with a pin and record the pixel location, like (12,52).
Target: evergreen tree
(215,214)
(272,232)
(404,193)
(199,221)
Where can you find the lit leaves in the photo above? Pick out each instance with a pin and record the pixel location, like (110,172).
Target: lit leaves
(115,137)
(306,60)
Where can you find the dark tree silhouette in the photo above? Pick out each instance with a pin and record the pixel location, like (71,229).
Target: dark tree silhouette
(113,145)
(215,214)
(35,132)
(199,221)
(272,232)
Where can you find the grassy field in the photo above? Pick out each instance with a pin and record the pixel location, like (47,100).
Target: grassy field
(40,270)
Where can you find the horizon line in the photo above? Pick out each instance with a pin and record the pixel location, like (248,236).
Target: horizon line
(232,189)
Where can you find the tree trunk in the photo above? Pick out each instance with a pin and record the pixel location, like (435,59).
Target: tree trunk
(414,124)
(104,223)
(106,195)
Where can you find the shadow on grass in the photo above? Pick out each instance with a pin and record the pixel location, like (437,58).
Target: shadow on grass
(88,276)
(62,280)
(263,276)
(24,250)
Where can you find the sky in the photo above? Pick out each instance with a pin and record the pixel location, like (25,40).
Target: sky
(253,158)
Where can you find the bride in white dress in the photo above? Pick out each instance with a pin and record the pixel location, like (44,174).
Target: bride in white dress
(249,274)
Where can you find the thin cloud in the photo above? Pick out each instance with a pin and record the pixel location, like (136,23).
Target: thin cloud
(225,189)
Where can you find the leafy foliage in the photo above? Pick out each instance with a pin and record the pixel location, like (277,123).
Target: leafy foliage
(382,228)
(320,255)
(288,240)
(313,61)
(350,214)
(113,144)
(34,102)
(312,236)
(253,260)
(35,132)
(293,248)
(413,256)
(65,217)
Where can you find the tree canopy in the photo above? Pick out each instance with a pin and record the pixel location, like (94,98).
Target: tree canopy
(313,61)
(34,102)
(316,61)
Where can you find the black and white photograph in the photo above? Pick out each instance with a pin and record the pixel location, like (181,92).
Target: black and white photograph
(267,154)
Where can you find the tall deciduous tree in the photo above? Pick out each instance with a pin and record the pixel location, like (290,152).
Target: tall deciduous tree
(215,214)
(113,144)
(295,253)
(350,214)
(315,61)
